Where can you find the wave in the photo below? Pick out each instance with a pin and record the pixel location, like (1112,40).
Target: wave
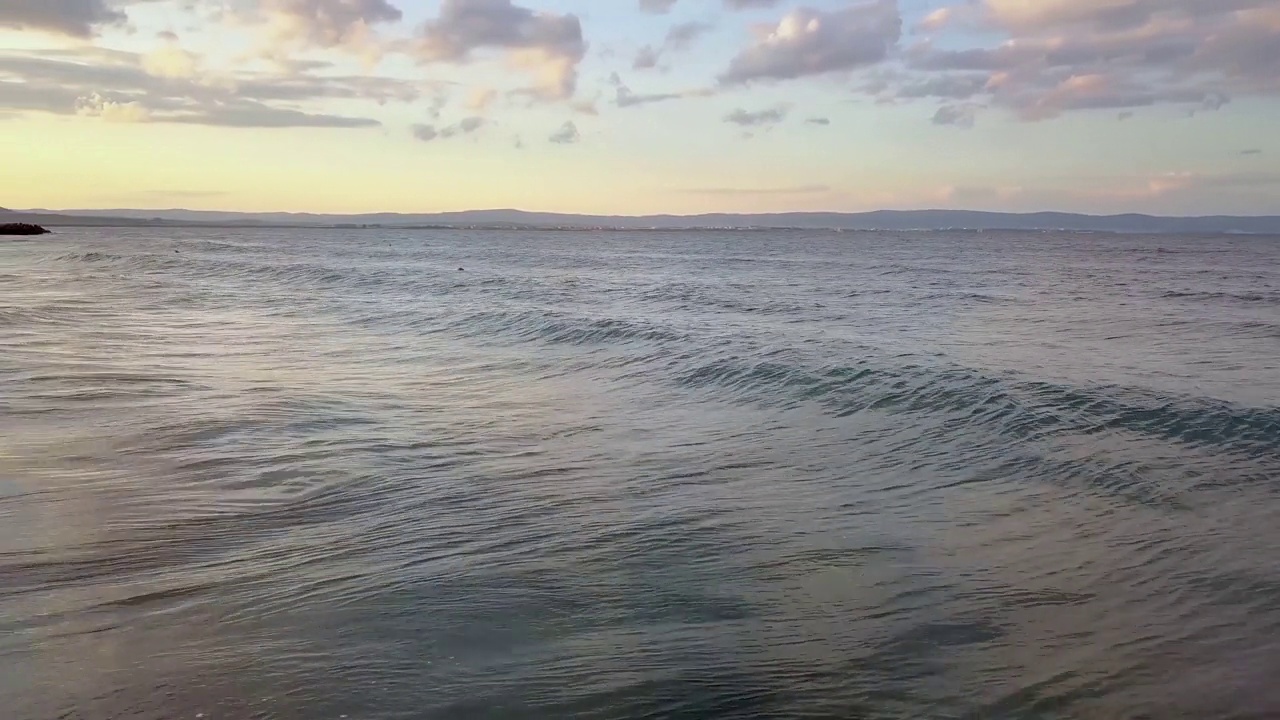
(561,329)
(1018,408)
(972,297)
(88,257)
(749,301)
(34,319)
(178,264)
(1248,297)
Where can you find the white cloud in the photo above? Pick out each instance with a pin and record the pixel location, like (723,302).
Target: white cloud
(328,23)
(546,45)
(170,61)
(96,105)
(936,20)
(811,42)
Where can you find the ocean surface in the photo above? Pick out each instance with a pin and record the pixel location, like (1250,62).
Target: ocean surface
(377,475)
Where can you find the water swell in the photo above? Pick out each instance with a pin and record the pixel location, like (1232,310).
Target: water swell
(750,301)
(253,269)
(1020,409)
(560,328)
(88,257)
(1270,298)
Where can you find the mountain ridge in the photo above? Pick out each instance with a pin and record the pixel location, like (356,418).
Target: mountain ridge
(932,219)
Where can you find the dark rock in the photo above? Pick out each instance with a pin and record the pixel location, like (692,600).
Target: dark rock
(21,229)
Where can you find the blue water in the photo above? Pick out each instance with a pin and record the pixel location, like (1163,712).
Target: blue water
(314,474)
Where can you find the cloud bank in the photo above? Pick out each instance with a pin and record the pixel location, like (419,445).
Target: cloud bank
(958,60)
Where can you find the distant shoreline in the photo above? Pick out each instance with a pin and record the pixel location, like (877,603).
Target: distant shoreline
(580,229)
(515,220)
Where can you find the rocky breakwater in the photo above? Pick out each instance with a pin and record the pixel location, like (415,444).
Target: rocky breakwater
(21,229)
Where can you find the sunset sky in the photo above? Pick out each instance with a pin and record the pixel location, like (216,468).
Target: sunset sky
(639,106)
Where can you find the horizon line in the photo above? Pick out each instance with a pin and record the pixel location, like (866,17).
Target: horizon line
(1021,213)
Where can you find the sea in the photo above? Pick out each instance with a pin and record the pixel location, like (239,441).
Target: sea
(378,474)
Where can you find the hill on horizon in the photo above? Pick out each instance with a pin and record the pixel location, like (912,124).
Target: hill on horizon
(874,220)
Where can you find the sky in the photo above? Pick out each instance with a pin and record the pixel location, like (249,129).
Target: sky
(641,106)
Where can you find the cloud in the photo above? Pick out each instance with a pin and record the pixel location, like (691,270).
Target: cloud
(584,107)
(481,99)
(566,135)
(327,23)
(466,126)
(768,116)
(436,104)
(661,7)
(936,20)
(818,121)
(1100,16)
(96,105)
(1101,92)
(425,133)
(954,86)
(117,86)
(657,7)
(625,98)
(750,4)
(248,114)
(1053,57)
(811,42)
(20,98)
(683,35)
(546,45)
(1181,184)
(957,115)
(68,17)
(679,37)
(171,61)
(646,57)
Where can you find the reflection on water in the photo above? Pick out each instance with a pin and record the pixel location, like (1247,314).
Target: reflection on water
(316,474)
